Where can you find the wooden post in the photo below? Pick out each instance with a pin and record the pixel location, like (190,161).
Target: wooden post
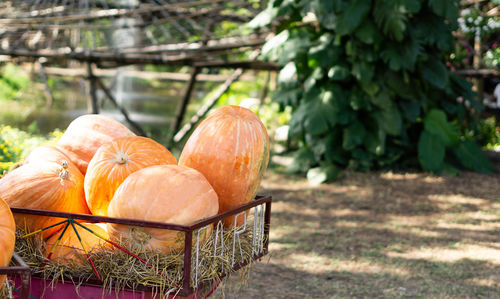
(92,105)
(476,62)
(265,89)
(138,130)
(209,104)
(181,108)
(43,76)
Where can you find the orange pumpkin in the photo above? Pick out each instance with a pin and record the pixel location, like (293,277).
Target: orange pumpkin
(69,249)
(47,153)
(231,149)
(7,236)
(162,193)
(114,161)
(86,134)
(46,185)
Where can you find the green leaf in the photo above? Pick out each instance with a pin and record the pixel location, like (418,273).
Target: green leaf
(397,84)
(316,75)
(264,18)
(271,48)
(324,12)
(318,175)
(390,18)
(353,135)
(435,72)
(389,119)
(302,161)
(403,55)
(382,100)
(472,157)
(368,32)
(432,29)
(338,72)
(412,6)
(357,99)
(324,53)
(288,73)
(363,71)
(371,88)
(352,16)
(392,57)
(411,110)
(375,142)
(447,9)
(288,95)
(431,150)
(315,115)
(435,123)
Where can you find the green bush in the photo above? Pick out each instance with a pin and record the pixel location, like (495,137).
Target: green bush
(368,86)
(15,144)
(12,80)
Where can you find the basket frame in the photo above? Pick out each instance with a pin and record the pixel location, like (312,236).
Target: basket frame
(23,271)
(188,230)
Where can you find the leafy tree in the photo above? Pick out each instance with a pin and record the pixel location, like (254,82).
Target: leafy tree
(368,86)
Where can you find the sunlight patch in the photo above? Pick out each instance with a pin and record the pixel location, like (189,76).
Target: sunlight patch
(317,264)
(458,199)
(472,252)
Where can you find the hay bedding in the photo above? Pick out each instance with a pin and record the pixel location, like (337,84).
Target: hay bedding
(119,270)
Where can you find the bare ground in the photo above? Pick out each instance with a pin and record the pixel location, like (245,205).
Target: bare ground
(379,235)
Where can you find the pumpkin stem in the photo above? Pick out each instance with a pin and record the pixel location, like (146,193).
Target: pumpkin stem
(63,174)
(121,158)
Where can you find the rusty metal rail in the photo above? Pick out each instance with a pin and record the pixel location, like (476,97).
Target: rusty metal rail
(22,271)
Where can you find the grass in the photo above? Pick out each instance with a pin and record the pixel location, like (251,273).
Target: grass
(381,235)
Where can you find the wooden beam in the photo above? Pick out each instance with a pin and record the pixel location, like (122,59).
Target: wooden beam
(181,108)
(182,77)
(477,72)
(110,13)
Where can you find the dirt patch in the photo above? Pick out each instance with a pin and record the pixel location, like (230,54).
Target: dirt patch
(380,235)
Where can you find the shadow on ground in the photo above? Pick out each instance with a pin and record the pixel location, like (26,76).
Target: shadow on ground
(380,235)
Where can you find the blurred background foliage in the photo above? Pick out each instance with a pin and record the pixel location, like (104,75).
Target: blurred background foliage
(365,85)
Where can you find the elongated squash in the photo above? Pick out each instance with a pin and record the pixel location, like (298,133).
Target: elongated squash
(231,149)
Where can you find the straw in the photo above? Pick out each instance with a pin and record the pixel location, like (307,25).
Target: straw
(131,267)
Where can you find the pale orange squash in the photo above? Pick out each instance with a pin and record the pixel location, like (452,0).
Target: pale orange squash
(47,153)
(116,160)
(86,134)
(45,185)
(69,249)
(162,193)
(7,236)
(231,149)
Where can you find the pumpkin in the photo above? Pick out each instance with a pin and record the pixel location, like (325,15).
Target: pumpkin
(86,134)
(7,237)
(231,149)
(162,193)
(46,185)
(69,249)
(47,153)
(114,161)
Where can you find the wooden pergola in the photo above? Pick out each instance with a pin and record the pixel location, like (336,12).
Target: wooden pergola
(112,33)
